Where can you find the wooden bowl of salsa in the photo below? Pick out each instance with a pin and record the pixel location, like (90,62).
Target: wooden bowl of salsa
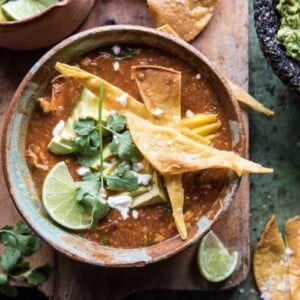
(149,234)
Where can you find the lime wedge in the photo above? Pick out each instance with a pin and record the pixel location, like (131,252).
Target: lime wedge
(60,202)
(2,16)
(215,262)
(22,9)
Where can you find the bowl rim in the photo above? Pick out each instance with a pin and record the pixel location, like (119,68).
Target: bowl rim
(35,17)
(204,224)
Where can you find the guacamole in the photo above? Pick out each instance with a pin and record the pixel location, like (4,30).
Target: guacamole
(289,32)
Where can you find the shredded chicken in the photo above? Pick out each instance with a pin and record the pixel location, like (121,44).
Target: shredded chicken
(36,158)
(45,105)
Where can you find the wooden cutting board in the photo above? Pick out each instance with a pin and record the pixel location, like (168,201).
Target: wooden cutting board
(225,42)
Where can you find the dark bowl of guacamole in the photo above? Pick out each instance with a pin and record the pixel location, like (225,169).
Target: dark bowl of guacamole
(278,29)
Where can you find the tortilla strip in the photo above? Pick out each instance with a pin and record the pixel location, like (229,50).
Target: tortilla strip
(187,17)
(292,237)
(160,89)
(113,95)
(270,264)
(168,29)
(244,98)
(172,153)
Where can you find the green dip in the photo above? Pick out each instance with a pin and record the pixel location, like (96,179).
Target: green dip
(289,32)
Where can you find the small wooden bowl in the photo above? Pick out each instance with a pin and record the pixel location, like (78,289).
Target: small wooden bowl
(267,23)
(46,28)
(18,176)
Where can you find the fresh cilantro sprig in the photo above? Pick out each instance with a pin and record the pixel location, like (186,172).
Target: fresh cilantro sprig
(19,242)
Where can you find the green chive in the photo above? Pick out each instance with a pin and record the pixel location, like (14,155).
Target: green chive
(101,92)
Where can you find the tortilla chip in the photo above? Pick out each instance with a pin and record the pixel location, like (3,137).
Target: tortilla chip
(292,237)
(244,98)
(168,29)
(187,17)
(270,264)
(172,153)
(114,98)
(160,89)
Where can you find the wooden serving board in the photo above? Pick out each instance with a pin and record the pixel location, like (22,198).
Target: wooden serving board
(225,42)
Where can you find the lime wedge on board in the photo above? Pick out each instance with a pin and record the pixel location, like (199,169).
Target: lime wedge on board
(22,9)
(60,201)
(214,260)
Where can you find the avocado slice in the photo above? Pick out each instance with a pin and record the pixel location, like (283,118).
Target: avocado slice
(87,107)
(155,195)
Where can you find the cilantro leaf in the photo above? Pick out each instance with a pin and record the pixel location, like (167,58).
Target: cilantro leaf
(10,258)
(122,180)
(3,279)
(123,146)
(38,275)
(116,122)
(22,228)
(86,160)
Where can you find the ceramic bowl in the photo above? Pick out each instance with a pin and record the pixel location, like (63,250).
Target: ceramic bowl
(17,172)
(267,23)
(46,28)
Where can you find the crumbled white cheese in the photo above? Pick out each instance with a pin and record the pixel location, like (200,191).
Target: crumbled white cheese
(121,203)
(179,209)
(169,142)
(116,49)
(157,112)
(58,128)
(189,113)
(138,167)
(135,214)
(112,112)
(288,251)
(198,76)
(116,66)
(241,291)
(82,171)
(122,99)
(265,296)
(125,165)
(143,179)
(176,119)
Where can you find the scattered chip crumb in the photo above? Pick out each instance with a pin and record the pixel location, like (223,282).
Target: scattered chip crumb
(135,214)
(58,128)
(189,113)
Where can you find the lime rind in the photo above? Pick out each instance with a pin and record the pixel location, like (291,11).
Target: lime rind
(60,202)
(215,262)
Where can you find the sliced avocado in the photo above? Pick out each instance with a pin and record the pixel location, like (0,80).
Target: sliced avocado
(107,155)
(87,107)
(155,195)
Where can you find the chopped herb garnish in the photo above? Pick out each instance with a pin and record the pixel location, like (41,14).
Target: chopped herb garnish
(123,53)
(101,94)
(122,180)
(19,242)
(116,123)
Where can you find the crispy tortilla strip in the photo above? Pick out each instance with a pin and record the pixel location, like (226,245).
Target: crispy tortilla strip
(292,237)
(168,29)
(160,89)
(246,99)
(270,264)
(187,17)
(172,153)
(114,98)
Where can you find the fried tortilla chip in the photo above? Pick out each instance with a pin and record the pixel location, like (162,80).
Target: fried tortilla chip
(168,29)
(160,89)
(172,153)
(187,17)
(114,98)
(270,264)
(292,237)
(244,98)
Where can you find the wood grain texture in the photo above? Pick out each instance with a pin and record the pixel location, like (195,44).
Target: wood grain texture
(224,41)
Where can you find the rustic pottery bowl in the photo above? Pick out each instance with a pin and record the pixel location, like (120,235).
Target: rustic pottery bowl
(18,176)
(46,28)
(267,22)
